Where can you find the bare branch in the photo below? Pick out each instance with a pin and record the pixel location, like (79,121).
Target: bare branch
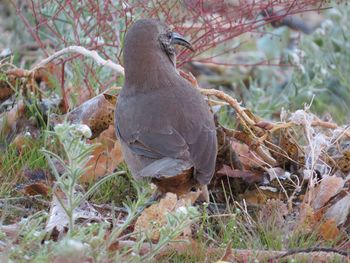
(83,51)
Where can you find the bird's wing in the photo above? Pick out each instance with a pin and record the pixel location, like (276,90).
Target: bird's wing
(165,167)
(173,154)
(203,152)
(156,144)
(165,152)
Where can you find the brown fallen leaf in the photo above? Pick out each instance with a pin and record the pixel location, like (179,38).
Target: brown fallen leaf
(344,162)
(97,113)
(328,187)
(339,211)
(36,188)
(247,176)
(248,158)
(154,217)
(5,91)
(329,230)
(106,157)
(260,196)
(37,182)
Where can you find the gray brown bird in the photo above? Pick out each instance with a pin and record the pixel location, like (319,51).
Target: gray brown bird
(165,126)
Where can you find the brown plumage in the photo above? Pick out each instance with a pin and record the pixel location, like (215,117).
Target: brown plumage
(165,127)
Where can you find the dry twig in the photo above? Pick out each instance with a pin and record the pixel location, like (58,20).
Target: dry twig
(83,51)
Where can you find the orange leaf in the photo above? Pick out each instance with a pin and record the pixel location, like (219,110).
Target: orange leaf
(329,230)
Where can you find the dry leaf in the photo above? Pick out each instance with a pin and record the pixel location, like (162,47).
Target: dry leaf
(246,156)
(329,230)
(328,187)
(339,211)
(97,113)
(344,162)
(36,188)
(5,91)
(38,182)
(154,217)
(259,196)
(247,176)
(106,157)
(58,218)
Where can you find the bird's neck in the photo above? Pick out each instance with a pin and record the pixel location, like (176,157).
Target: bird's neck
(147,70)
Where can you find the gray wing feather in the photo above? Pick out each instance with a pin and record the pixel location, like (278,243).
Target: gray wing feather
(165,167)
(171,144)
(203,153)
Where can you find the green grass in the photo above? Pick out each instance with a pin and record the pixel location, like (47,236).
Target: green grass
(13,161)
(117,190)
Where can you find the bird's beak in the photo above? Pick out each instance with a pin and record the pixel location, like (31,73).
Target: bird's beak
(176,38)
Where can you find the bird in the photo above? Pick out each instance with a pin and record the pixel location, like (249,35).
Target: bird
(165,127)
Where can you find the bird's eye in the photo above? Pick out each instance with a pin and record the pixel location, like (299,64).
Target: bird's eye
(169,35)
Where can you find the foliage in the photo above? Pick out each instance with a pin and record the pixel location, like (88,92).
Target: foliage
(318,74)
(77,154)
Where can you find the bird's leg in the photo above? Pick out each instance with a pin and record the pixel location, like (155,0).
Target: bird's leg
(204,196)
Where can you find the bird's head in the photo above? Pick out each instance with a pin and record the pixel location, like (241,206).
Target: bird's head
(151,41)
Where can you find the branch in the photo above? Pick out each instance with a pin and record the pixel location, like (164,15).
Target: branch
(330,125)
(240,111)
(85,52)
(240,255)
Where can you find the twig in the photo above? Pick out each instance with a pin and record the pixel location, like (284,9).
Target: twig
(238,255)
(231,101)
(83,51)
(329,125)
(34,198)
(111,208)
(309,250)
(240,111)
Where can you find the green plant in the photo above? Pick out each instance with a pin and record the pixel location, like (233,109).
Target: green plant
(77,154)
(318,71)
